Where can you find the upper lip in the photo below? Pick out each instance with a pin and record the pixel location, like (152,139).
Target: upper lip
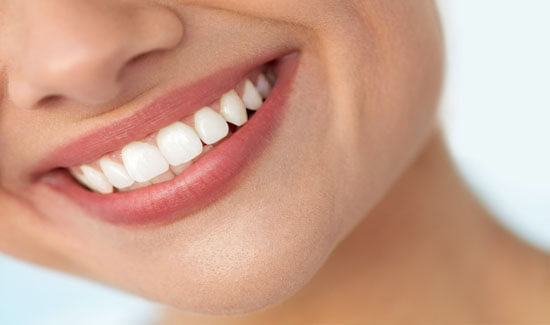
(173,105)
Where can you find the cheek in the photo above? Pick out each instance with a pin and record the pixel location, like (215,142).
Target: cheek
(385,91)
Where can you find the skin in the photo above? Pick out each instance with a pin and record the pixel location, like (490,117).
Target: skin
(363,217)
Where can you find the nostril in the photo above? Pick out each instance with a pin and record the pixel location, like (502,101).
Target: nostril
(50,100)
(82,55)
(139,58)
(135,62)
(142,57)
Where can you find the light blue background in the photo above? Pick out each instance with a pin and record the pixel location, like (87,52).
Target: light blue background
(496,108)
(496,113)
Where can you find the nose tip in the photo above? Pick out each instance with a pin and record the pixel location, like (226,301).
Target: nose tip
(80,51)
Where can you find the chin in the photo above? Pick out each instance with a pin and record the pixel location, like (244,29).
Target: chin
(248,268)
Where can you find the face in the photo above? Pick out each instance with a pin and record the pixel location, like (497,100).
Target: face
(206,154)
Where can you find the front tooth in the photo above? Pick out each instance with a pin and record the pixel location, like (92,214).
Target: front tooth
(115,173)
(233,108)
(96,180)
(179,143)
(263,86)
(210,125)
(251,97)
(143,161)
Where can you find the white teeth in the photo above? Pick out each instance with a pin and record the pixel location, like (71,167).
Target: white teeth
(116,173)
(177,146)
(179,143)
(233,109)
(96,180)
(143,161)
(251,97)
(210,125)
(263,86)
(80,177)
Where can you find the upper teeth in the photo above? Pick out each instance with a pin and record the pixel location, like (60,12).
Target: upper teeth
(251,96)
(232,108)
(210,125)
(116,173)
(143,161)
(179,143)
(159,158)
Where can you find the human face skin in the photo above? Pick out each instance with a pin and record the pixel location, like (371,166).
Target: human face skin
(356,90)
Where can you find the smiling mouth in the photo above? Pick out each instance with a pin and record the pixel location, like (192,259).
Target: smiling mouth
(180,152)
(166,153)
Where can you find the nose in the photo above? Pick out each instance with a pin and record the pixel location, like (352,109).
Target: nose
(78,50)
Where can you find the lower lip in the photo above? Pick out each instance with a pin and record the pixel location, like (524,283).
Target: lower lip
(205,181)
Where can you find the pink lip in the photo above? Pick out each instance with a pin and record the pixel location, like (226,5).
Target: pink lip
(198,185)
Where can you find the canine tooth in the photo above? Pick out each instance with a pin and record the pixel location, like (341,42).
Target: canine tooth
(143,161)
(179,143)
(263,86)
(116,173)
(251,97)
(233,109)
(164,177)
(96,180)
(210,125)
(180,168)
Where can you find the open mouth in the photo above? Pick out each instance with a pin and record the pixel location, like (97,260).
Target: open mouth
(188,160)
(166,153)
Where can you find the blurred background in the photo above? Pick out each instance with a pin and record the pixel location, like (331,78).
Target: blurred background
(495,112)
(496,108)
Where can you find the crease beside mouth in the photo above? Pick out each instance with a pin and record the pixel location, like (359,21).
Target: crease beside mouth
(168,152)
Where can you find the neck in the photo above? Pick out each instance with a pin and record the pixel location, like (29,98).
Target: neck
(429,251)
